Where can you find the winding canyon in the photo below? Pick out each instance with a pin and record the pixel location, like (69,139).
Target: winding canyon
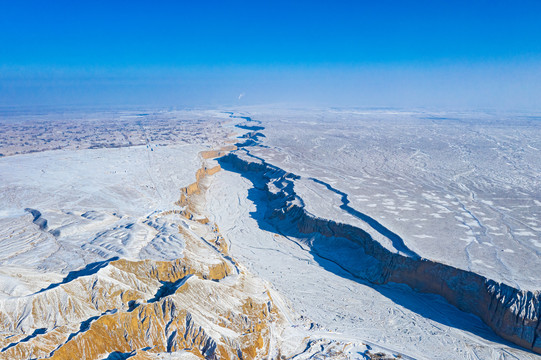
(219,249)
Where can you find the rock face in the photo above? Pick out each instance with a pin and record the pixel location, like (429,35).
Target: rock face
(513,314)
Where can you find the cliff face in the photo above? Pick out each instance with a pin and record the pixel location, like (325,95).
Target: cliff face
(513,314)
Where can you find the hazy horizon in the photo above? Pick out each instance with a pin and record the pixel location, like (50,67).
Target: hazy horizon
(456,55)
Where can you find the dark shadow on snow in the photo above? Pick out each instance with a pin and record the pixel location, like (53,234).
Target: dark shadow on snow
(168,288)
(89,269)
(26,339)
(117,355)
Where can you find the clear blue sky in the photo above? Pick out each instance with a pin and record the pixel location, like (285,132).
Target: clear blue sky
(381,53)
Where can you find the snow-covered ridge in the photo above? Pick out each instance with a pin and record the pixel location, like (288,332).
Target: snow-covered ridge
(512,313)
(107,262)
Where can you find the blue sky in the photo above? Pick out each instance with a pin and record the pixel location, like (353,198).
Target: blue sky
(354,53)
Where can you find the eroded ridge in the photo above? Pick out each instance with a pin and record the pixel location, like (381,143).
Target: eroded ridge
(124,308)
(201,303)
(513,314)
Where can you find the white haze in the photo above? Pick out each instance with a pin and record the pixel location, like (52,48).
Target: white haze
(489,85)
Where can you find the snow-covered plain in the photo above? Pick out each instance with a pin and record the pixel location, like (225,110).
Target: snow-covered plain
(463,189)
(96,204)
(61,209)
(460,189)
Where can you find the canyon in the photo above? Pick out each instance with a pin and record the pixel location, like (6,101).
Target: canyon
(251,234)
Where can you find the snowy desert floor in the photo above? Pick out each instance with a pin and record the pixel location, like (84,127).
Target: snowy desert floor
(327,233)
(459,188)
